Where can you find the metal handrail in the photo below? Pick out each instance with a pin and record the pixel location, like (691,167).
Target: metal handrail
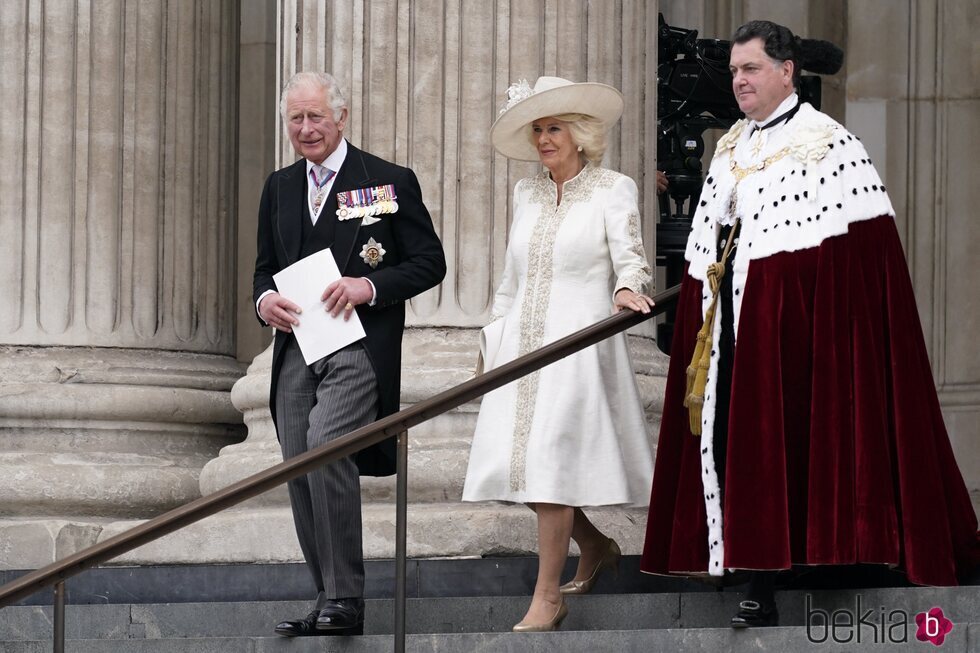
(396,424)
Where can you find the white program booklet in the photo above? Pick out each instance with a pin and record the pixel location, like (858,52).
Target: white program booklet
(318,334)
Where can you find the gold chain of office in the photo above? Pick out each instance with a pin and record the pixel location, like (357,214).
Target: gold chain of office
(741,173)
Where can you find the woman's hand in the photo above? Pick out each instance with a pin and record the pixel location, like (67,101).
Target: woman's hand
(626,298)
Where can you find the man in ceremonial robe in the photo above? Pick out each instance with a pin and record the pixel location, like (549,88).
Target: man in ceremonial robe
(805,429)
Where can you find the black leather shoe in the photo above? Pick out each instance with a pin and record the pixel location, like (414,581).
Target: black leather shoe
(341,617)
(752,614)
(298,627)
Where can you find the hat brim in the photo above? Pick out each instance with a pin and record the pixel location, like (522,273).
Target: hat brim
(508,135)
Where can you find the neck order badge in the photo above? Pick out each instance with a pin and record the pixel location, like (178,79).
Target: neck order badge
(319,185)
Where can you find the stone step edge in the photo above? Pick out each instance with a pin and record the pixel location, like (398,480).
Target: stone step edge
(963,637)
(692,611)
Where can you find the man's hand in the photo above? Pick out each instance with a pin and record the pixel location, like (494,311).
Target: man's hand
(662,182)
(279,312)
(626,298)
(346,293)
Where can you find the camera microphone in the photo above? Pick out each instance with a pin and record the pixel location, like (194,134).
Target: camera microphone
(821,57)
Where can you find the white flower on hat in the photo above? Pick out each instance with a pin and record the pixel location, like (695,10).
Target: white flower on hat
(519,90)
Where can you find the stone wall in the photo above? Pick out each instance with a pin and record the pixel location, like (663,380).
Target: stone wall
(117,263)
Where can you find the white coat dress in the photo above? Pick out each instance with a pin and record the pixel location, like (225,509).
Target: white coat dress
(573,433)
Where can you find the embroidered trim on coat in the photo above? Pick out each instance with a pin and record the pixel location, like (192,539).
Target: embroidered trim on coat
(636,280)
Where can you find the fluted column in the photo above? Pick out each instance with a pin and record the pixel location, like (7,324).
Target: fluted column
(918,113)
(117,201)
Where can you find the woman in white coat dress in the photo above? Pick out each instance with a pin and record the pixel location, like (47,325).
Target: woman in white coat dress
(573,434)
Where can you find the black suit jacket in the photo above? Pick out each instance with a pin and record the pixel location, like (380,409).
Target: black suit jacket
(413,262)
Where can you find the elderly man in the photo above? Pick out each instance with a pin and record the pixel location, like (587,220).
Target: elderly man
(369,212)
(817,439)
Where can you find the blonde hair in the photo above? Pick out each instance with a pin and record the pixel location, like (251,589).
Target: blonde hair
(586,131)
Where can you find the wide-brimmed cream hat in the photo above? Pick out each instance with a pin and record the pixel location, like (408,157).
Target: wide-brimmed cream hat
(551,96)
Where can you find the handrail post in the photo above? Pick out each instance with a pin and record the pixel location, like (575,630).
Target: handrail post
(59,617)
(401,516)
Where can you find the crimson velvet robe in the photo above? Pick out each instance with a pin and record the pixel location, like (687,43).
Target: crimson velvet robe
(837,451)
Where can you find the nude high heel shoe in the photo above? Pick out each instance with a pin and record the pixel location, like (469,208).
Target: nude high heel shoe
(610,558)
(547,626)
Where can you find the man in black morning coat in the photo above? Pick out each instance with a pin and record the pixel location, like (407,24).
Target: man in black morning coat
(369,212)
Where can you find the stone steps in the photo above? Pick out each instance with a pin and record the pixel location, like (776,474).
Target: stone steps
(774,640)
(669,621)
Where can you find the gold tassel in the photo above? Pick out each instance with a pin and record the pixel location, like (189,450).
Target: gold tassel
(691,373)
(697,371)
(704,335)
(694,413)
(692,369)
(700,363)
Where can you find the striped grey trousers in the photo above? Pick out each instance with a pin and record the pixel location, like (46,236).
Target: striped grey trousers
(314,405)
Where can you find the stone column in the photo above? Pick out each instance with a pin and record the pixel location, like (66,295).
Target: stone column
(259,118)
(117,123)
(916,106)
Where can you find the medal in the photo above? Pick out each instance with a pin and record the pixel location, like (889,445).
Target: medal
(757,140)
(320,186)
(318,199)
(372,252)
(366,202)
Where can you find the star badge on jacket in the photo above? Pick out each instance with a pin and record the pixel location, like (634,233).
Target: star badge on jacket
(372,252)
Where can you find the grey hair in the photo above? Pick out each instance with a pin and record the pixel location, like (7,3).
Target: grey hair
(324,81)
(586,131)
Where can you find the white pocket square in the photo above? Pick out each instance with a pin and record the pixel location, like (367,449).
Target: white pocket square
(369,220)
